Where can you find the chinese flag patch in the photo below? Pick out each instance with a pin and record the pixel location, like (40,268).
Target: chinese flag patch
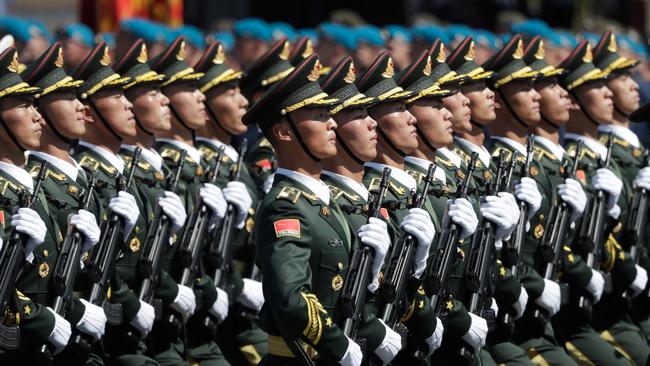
(580,174)
(264,164)
(384,213)
(287,227)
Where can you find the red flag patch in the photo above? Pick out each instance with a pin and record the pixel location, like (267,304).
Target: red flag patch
(287,227)
(384,213)
(580,174)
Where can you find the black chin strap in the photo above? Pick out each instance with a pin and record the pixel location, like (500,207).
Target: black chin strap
(424,139)
(12,136)
(390,143)
(511,110)
(476,124)
(216,120)
(141,126)
(547,120)
(620,111)
(179,119)
(103,120)
(583,109)
(300,140)
(347,150)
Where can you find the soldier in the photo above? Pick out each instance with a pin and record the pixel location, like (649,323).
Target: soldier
(188,115)
(22,127)
(225,106)
(305,241)
(356,144)
(584,82)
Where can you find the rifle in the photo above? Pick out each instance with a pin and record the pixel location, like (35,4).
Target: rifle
(12,255)
(443,260)
(592,231)
(67,267)
(353,297)
(480,263)
(512,255)
(392,294)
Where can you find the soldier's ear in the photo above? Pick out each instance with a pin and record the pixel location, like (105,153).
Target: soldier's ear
(281,131)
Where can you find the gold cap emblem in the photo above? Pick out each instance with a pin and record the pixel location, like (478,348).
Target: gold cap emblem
(427,67)
(442,55)
(220,56)
(15,64)
(351,75)
(519,52)
(315,72)
(309,49)
(142,57)
(284,55)
(59,58)
(390,71)
(106,58)
(612,47)
(588,57)
(471,52)
(540,53)
(180,56)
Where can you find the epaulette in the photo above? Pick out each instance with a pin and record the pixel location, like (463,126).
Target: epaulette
(448,163)
(290,194)
(4,184)
(335,191)
(539,153)
(58,177)
(460,152)
(419,177)
(498,150)
(170,154)
(89,163)
(588,153)
(602,138)
(397,189)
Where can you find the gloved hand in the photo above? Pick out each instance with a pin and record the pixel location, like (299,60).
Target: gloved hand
(28,222)
(418,223)
(572,193)
(435,340)
(527,191)
(185,302)
(499,211)
(220,306)
(477,332)
(390,345)
(520,305)
(125,206)
(375,235)
(252,295)
(641,279)
(143,320)
(213,198)
(86,223)
(462,214)
(642,179)
(268,183)
(596,285)
(173,207)
(60,335)
(353,355)
(551,297)
(604,179)
(495,307)
(93,321)
(237,194)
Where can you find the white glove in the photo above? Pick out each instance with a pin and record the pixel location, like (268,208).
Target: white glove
(572,193)
(185,302)
(93,322)
(268,183)
(462,214)
(640,281)
(375,235)
(86,223)
(237,194)
(418,223)
(520,305)
(499,211)
(173,207)
(125,206)
(527,191)
(642,179)
(604,179)
(28,222)
(213,198)
(551,297)
(143,320)
(1,243)
(61,333)
(477,332)
(435,340)
(596,285)
(495,307)
(220,306)
(390,345)
(252,295)
(353,355)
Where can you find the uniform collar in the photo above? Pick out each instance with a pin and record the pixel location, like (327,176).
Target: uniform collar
(150,155)
(357,187)
(192,152)
(19,174)
(554,148)
(592,144)
(452,156)
(112,158)
(395,173)
(216,144)
(482,152)
(621,132)
(438,174)
(316,186)
(512,143)
(71,170)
